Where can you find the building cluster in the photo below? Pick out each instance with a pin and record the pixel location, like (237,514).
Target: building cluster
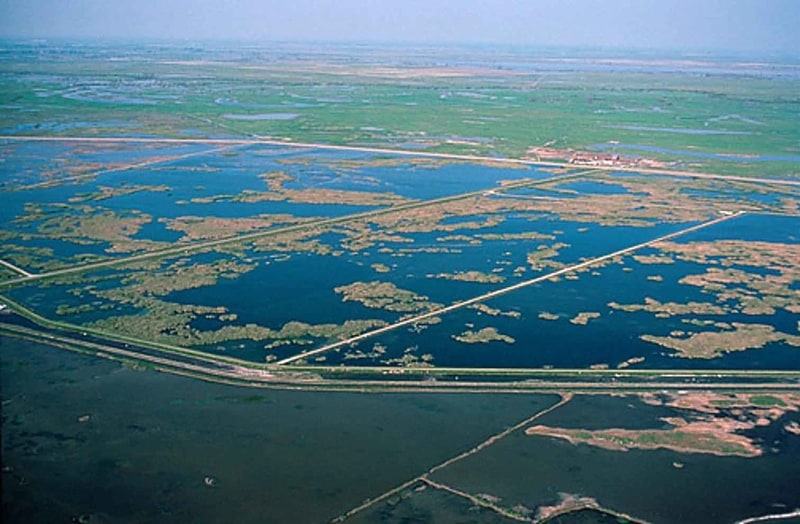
(590,158)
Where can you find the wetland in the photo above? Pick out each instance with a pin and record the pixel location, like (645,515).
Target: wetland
(560,290)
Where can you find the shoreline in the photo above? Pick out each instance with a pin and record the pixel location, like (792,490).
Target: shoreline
(430,380)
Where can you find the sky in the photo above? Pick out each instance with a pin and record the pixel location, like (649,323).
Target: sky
(756,25)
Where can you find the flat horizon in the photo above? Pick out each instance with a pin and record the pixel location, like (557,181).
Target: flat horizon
(598,51)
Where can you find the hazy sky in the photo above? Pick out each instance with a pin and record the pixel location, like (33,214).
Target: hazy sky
(701,24)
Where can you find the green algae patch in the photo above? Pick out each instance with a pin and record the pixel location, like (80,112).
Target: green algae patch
(767,400)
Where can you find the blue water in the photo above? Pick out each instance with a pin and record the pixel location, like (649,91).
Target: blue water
(300,286)
(450,179)
(303,284)
(293,289)
(158,232)
(133,152)
(539,192)
(45,298)
(63,250)
(238,173)
(610,339)
(34,162)
(750,227)
(406,180)
(573,189)
(591,187)
(165,205)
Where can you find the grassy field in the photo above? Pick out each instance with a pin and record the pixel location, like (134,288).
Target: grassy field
(659,109)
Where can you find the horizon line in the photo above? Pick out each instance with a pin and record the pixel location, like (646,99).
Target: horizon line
(343,42)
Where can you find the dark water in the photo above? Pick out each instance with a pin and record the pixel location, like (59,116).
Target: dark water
(614,336)
(425,505)
(296,288)
(587,516)
(275,456)
(644,484)
(604,411)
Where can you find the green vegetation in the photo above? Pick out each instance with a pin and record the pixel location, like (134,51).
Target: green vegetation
(767,400)
(439,108)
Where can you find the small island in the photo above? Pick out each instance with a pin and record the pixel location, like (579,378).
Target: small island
(482,336)
(583,318)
